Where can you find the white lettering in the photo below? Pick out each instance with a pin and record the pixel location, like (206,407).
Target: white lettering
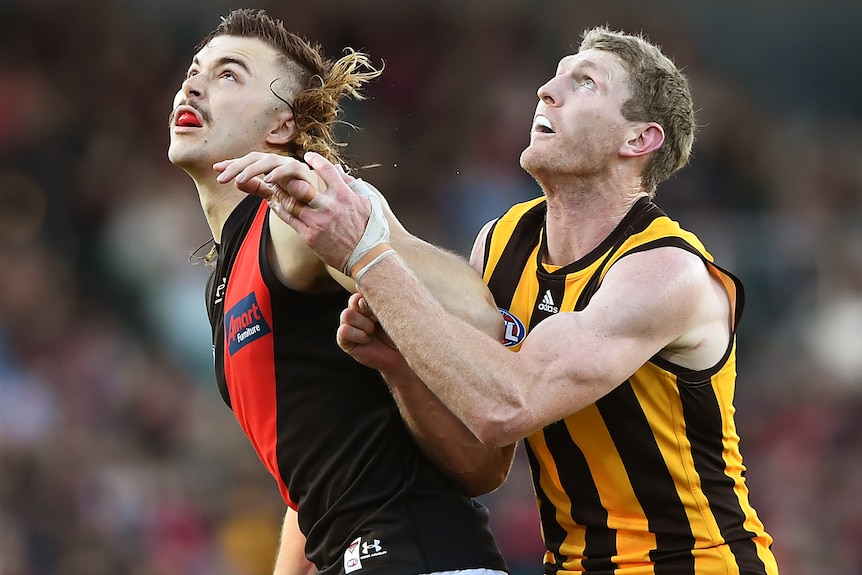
(248,332)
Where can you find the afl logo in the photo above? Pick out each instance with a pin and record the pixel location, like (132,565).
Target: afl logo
(515,332)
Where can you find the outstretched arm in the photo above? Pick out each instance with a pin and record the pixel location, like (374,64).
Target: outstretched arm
(661,300)
(446,275)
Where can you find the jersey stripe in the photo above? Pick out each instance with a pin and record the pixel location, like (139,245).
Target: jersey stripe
(256,413)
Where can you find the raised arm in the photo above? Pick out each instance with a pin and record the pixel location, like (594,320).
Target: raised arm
(459,288)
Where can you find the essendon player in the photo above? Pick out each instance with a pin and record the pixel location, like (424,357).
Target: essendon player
(361,496)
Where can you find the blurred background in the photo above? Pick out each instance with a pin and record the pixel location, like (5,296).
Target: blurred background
(116,454)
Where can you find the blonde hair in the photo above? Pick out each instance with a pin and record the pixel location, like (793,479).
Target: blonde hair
(659,93)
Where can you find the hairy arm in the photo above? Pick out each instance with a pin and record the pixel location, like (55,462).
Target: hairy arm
(658,301)
(479,468)
(291,558)
(649,302)
(443,437)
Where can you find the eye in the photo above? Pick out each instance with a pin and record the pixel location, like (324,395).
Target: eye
(227,74)
(588,83)
(191,73)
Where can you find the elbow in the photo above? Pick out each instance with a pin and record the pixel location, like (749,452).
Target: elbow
(500,429)
(475,487)
(491,474)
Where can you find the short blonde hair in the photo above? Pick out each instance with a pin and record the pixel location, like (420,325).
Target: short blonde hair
(659,93)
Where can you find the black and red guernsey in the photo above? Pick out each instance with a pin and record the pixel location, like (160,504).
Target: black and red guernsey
(326,427)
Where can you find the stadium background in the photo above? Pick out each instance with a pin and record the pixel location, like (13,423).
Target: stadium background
(116,455)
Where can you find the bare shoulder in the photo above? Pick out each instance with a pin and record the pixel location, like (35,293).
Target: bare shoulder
(680,298)
(667,268)
(477,254)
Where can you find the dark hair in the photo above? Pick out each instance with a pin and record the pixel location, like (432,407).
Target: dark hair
(659,93)
(313,85)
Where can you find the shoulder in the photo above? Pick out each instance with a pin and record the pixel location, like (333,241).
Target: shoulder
(670,292)
(477,254)
(660,289)
(670,268)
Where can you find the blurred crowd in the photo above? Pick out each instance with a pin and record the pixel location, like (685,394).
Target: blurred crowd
(116,453)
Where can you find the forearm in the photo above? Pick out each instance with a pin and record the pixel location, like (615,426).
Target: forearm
(444,438)
(451,446)
(291,558)
(452,281)
(464,367)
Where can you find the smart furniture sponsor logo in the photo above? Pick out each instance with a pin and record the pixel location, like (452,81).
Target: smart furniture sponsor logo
(244,323)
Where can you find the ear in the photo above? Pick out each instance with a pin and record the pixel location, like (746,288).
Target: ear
(284,130)
(645,138)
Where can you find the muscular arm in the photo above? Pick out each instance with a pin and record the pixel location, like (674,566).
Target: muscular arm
(291,558)
(450,280)
(662,299)
(445,439)
(448,277)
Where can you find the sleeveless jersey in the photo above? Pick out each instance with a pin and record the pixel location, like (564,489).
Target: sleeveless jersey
(648,479)
(327,427)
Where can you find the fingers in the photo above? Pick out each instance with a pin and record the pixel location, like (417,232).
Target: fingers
(359,315)
(324,169)
(243,169)
(349,337)
(345,177)
(294,207)
(360,305)
(273,169)
(299,181)
(354,329)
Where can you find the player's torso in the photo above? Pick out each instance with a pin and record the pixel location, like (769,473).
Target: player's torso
(325,426)
(643,474)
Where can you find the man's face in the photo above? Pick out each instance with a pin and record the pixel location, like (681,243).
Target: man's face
(578,127)
(225,108)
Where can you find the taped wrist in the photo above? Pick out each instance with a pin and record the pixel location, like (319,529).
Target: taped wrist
(376,230)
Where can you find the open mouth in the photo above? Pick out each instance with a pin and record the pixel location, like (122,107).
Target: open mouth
(543,125)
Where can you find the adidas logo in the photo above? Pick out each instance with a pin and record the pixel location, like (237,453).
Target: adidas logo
(548,304)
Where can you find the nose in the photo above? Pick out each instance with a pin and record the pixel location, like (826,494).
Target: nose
(192,87)
(546,92)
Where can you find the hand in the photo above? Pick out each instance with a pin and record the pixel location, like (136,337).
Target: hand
(318,204)
(267,176)
(361,336)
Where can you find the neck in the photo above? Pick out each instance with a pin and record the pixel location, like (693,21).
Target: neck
(581,215)
(217,201)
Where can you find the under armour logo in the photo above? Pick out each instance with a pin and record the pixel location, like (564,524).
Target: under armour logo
(367,547)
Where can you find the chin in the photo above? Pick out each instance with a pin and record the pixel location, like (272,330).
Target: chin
(530,162)
(181,157)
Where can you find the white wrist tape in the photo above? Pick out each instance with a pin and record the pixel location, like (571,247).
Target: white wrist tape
(376,260)
(376,231)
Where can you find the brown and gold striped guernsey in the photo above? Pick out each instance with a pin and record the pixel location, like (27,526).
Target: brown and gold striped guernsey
(649,479)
